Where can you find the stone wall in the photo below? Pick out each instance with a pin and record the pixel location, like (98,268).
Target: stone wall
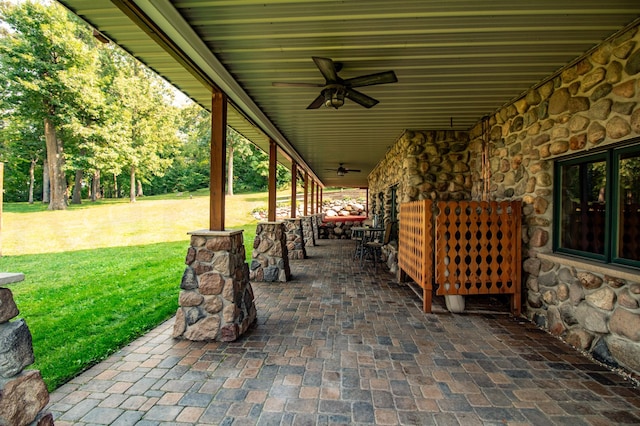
(23,394)
(337,230)
(216,298)
(590,104)
(424,165)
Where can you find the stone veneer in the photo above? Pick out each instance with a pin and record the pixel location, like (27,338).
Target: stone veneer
(315,223)
(295,238)
(590,104)
(216,298)
(337,230)
(424,165)
(270,257)
(23,393)
(307,231)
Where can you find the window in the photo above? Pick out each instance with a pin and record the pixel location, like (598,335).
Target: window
(597,206)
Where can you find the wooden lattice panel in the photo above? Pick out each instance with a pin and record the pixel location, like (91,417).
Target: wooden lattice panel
(478,248)
(415,247)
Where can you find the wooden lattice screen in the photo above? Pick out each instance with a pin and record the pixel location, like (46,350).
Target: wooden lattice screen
(467,247)
(415,245)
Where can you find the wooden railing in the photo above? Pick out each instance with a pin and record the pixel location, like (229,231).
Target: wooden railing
(467,247)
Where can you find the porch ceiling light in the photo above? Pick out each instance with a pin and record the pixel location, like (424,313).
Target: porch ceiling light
(340,172)
(334,97)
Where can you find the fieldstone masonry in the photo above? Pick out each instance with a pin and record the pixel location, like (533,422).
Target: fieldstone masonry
(307,231)
(295,238)
(216,298)
(315,223)
(23,394)
(337,230)
(592,103)
(425,165)
(270,257)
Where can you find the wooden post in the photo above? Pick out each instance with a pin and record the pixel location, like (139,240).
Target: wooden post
(273,157)
(366,206)
(306,194)
(218,160)
(321,191)
(294,182)
(312,197)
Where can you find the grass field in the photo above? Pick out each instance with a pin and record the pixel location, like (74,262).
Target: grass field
(100,274)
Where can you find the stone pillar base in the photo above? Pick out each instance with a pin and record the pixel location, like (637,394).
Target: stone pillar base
(23,393)
(307,231)
(295,238)
(216,298)
(270,258)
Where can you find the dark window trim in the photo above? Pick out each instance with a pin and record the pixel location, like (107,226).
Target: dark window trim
(611,154)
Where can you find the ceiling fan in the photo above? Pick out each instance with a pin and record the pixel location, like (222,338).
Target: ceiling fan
(335,89)
(341,170)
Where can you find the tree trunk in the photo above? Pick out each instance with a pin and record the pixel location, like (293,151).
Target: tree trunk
(230,170)
(32,179)
(139,191)
(95,186)
(132,186)
(77,188)
(55,157)
(46,182)
(116,193)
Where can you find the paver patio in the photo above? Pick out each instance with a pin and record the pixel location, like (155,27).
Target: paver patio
(344,345)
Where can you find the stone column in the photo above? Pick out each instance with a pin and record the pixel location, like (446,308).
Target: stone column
(307,231)
(295,238)
(216,298)
(270,259)
(23,394)
(315,223)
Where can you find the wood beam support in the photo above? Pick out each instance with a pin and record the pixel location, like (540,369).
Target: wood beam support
(217,160)
(305,211)
(273,162)
(312,197)
(294,183)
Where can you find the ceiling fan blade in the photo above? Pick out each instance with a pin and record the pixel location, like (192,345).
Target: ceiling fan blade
(283,84)
(327,68)
(353,170)
(361,98)
(372,79)
(317,102)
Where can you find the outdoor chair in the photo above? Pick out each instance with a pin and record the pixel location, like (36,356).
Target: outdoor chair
(374,245)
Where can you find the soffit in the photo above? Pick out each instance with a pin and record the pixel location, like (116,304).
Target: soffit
(456,61)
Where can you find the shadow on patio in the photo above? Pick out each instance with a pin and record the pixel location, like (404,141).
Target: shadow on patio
(342,345)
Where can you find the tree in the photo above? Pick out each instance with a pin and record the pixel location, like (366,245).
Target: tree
(22,150)
(143,121)
(48,78)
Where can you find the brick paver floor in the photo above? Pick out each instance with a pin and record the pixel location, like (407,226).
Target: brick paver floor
(343,345)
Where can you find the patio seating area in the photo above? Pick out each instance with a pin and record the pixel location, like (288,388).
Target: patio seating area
(341,344)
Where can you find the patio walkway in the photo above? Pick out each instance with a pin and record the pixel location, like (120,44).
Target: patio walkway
(341,345)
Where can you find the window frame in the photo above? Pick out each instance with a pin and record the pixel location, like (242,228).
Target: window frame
(611,155)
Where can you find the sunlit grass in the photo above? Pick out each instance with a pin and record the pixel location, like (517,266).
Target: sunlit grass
(100,274)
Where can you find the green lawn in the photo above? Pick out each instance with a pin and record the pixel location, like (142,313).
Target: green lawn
(100,274)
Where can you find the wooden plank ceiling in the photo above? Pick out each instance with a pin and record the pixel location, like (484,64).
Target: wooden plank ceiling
(455,60)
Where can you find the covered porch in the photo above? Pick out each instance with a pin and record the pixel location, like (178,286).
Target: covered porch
(340,344)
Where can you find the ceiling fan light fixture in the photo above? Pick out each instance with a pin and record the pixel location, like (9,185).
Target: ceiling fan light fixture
(334,97)
(340,172)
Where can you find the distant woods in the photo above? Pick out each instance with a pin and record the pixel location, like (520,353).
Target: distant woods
(81,120)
